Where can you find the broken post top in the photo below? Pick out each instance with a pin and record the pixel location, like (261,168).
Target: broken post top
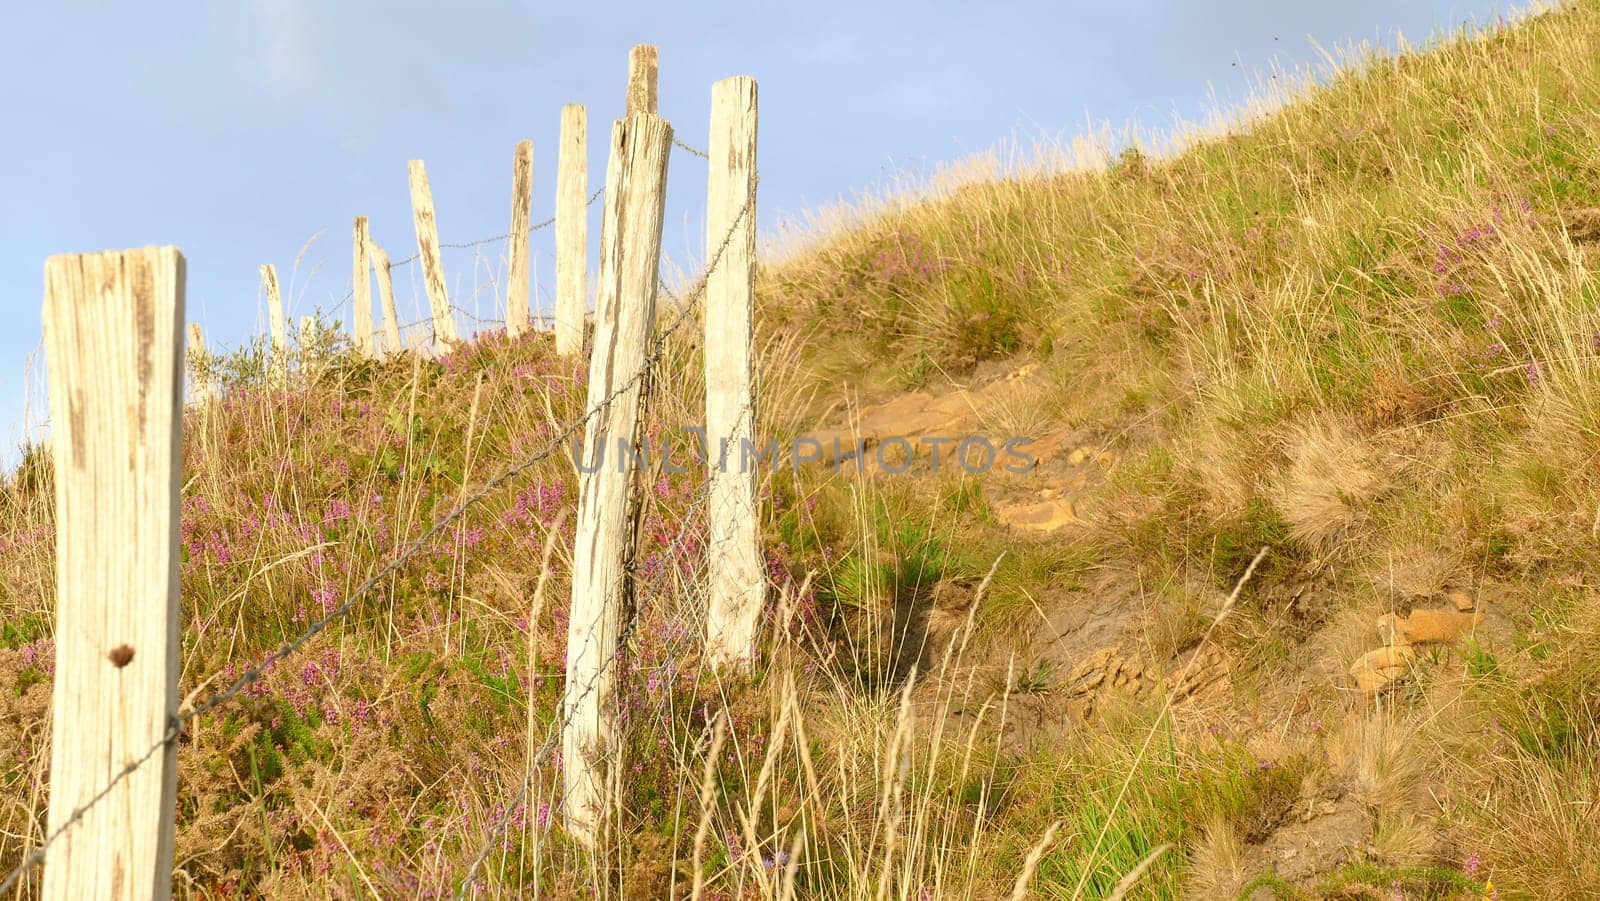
(643,62)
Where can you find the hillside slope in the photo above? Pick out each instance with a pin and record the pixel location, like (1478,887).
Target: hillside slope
(1361,333)
(1298,600)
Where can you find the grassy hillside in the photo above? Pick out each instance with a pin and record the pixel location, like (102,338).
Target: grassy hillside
(1339,364)
(1363,333)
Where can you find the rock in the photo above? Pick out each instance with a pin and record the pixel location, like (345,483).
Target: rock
(1425,626)
(1039,516)
(1206,670)
(1106,669)
(1024,372)
(1087,454)
(1091,671)
(1046,449)
(1376,669)
(848,445)
(1461,599)
(914,414)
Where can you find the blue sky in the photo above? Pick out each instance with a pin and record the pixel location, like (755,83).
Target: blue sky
(237,130)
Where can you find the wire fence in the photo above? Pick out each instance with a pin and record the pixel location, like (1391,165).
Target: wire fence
(653,357)
(538,226)
(464,245)
(558,726)
(680,641)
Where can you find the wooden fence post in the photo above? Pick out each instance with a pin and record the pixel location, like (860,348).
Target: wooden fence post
(572,230)
(643,64)
(444,325)
(607,492)
(200,374)
(308,338)
(517,305)
(737,580)
(391,318)
(114,349)
(361,289)
(278,364)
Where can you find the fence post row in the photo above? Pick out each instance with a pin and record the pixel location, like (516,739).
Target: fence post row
(444,325)
(113,334)
(391,318)
(278,363)
(361,289)
(737,588)
(630,254)
(517,301)
(114,354)
(572,230)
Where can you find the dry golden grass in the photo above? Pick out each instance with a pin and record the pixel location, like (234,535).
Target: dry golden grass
(1356,324)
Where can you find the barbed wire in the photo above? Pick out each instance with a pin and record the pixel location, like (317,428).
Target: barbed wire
(558,727)
(176,723)
(694,150)
(685,530)
(461,245)
(588,203)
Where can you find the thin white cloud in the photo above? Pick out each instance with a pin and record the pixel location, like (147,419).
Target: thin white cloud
(289,42)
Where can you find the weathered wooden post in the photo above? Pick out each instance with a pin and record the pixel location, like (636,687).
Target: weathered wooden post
(607,493)
(361,290)
(444,325)
(391,318)
(278,364)
(737,579)
(517,305)
(310,352)
(572,230)
(200,375)
(114,352)
(643,64)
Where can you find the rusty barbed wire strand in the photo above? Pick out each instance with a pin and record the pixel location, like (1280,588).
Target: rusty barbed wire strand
(460,245)
(694,150)
(553,733)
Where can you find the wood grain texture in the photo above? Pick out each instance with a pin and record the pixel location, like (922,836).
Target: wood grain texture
(114,353)
(737,578)
(278,365)
(625,301)
(422,215)
(643,65)
(361,290)
(517,301)
(391,318)
(572,230)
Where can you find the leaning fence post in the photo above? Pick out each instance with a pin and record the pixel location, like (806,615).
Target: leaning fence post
(572,230)
(737,583)
(607,500)
(278,364)
(643,63)
(517,267)
(444,325)
(361,289)
(391,318)
(114,351)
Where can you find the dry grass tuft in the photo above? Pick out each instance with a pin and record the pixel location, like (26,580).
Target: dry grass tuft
(1333,478)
